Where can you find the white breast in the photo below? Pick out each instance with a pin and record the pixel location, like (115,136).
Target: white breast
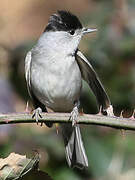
(56,81)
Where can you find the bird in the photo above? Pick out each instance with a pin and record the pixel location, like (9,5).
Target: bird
(54,70)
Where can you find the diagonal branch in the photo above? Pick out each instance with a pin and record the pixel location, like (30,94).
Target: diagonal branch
(108,121)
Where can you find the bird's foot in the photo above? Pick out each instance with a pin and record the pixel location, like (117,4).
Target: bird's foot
(110,111)
(37,114)
(107,112)
(74,115)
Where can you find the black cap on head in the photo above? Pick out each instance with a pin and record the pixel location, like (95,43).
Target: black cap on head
(63,21)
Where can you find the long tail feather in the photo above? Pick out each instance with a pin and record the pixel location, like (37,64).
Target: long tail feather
(75,152)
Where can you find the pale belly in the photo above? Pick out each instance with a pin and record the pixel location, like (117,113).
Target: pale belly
(57,86)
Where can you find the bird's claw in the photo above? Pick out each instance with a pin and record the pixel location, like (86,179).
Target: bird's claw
(37,114)
(74,115)
(110,111)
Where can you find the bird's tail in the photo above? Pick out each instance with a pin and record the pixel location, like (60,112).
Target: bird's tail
(75,152)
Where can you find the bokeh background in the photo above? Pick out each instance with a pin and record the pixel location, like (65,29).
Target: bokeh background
(111,153)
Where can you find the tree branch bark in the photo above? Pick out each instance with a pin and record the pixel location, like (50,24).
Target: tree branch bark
(114,122)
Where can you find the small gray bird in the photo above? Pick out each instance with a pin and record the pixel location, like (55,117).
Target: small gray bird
(54,70)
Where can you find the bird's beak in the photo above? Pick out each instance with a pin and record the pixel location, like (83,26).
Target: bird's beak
(88,30)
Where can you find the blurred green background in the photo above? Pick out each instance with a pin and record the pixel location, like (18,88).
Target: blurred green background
(111,52)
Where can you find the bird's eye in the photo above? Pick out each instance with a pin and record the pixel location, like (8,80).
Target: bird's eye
(72,32)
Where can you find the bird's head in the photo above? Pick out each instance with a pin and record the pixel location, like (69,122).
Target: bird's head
(66,30)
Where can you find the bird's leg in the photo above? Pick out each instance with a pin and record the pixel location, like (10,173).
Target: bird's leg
(74,113)
(27,107)
(37,114)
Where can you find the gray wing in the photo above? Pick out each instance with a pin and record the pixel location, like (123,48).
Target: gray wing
(35,100)
(27,70)
(90,76)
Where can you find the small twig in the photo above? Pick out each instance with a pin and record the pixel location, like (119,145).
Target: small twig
(114,122)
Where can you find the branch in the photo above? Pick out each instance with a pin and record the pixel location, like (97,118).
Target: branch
(108,121)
